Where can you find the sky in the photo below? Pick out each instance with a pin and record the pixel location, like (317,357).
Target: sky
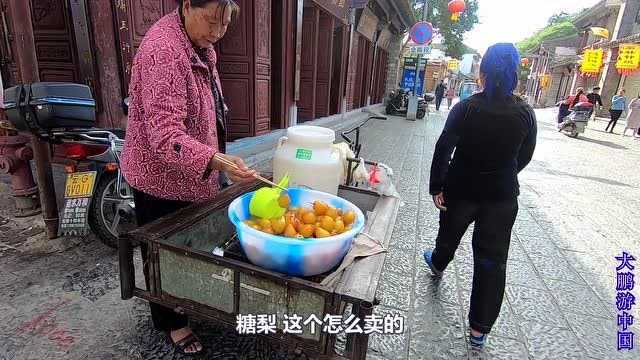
(514,20)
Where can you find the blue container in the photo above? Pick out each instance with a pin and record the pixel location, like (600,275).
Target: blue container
(296,257)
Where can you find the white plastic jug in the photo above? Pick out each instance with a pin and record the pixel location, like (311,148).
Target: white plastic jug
(307,156)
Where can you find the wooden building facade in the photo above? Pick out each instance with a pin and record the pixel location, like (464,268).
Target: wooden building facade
(282,62)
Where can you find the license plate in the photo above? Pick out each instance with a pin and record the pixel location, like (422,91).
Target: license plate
(80,184)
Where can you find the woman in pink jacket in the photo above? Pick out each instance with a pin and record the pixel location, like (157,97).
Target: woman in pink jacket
(176,130)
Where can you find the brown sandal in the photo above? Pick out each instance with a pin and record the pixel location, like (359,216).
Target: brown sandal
(184,343)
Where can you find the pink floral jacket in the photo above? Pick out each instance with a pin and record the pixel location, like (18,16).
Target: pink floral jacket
(171,133)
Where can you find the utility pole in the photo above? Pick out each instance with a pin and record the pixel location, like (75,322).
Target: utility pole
(412,107)
(419,56)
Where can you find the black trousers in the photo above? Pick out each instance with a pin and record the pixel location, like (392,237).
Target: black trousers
(615,115)
(438,102)
(491,238)
(149,209)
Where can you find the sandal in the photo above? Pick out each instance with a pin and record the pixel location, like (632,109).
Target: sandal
(184,343)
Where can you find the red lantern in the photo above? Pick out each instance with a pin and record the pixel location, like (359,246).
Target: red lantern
(525,62)
(456,7)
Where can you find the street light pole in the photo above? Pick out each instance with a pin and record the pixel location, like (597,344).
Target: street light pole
(419,57)
(412,107)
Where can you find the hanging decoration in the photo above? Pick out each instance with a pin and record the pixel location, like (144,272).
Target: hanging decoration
(628,58)
(453,65)
(456,7)
(592,62)
(525,62)
(545,81)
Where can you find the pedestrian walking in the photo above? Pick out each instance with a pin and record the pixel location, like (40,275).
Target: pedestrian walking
(633,118)
(451,93)
(595,99)
(440,89)
(618,106)
(493,134)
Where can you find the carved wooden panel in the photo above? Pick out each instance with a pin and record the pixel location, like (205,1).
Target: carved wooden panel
(236,40)
(233,67)
(263,28)
(133,20)
(54,41)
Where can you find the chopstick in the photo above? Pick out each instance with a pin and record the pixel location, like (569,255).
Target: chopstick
(256,175)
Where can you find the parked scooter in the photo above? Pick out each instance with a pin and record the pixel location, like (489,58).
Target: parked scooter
(63,115)
(398,103)
(576,122)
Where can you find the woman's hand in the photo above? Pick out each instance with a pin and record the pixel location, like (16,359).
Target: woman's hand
(438,200)
(238,174)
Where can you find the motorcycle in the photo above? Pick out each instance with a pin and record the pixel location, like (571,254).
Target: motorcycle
(398,103)
(575,123)
(63,115)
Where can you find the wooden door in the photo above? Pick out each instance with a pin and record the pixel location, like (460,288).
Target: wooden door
(325,64)
(282,61)
(8,67)
(309,68)
(340,44)
(133,19)
(54,41)
(244,63)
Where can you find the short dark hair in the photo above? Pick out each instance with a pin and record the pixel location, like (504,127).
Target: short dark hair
(235,8)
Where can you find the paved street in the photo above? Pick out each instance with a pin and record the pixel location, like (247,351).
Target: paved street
(579,208)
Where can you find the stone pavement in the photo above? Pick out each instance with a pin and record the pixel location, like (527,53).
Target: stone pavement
(579,208)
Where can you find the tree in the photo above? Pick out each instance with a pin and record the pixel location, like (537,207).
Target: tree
(559,18)
(555,31)
(453,32)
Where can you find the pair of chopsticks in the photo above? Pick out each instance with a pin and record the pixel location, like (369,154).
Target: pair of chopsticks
(256,175)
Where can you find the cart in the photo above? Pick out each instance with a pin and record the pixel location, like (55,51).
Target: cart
(186,275)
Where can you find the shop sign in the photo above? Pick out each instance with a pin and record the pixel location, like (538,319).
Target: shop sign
(628,58)
(337,8)
(592,62)
(368,24)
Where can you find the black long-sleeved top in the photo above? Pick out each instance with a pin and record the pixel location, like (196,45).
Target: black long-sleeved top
(595,99)
(493,142)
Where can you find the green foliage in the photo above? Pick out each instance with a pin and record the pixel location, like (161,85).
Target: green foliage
(438,14)
(555,31)
(559,18)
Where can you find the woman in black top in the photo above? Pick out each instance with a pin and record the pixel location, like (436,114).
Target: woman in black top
(494,136)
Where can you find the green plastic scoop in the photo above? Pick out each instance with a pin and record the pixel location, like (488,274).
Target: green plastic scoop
(264,202)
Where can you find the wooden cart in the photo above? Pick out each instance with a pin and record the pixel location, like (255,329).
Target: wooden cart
(187,276)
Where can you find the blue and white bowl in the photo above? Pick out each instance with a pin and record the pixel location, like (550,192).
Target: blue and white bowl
(296,257)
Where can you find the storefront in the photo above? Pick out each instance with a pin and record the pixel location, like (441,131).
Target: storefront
(280,62)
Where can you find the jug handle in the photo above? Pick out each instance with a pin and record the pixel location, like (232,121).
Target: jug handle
(281,141)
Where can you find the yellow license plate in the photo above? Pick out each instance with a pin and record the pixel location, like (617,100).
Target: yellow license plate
(80,184)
